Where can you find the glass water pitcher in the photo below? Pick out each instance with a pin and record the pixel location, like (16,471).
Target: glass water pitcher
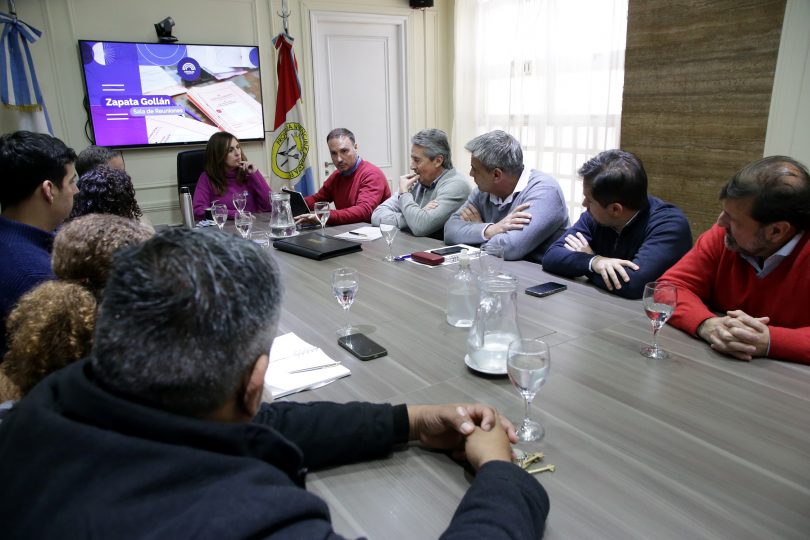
(495,325)
(281,218)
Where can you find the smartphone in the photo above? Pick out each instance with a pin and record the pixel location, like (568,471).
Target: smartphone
(447,251)
(545,289)
(362,346)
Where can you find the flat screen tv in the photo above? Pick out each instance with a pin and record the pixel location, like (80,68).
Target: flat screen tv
(147,94)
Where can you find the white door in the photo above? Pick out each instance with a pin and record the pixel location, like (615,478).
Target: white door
(360,84)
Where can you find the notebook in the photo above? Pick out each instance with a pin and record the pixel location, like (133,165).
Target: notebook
(295,365)
(316,246)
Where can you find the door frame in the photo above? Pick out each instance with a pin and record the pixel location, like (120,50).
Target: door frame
(400,22)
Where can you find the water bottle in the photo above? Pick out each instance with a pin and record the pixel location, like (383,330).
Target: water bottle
(186,208)
(462,294)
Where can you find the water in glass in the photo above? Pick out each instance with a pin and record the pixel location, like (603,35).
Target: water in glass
(389,229)
(322,213)
(220,214)
(660,299)
(240,201)
(344,286)
(528,364)
(244,222)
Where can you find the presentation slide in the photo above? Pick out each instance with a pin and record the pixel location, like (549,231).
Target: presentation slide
(143,94)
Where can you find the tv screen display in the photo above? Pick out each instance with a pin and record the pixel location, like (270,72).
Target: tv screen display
(143,94)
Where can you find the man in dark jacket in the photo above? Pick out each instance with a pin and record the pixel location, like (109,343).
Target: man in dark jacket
(626,238)
(161,431)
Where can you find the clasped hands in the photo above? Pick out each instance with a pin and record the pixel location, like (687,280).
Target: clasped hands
(612,270)
(737,334)
(475,432)
(514,221)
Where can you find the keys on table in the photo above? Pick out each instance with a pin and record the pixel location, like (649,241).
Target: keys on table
(525,460)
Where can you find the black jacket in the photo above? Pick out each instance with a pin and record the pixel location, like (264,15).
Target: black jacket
(78,461)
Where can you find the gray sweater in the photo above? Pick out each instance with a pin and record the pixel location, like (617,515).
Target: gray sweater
(549,220)
(449,191)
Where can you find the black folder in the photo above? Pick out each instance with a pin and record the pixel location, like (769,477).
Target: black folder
(316,246)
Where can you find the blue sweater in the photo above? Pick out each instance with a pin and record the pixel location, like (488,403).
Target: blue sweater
(655,239)
(25,262)
(546,206)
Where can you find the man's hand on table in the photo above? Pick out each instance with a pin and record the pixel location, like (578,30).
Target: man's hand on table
(307,218)
(463,428)
(612,270)
(737,334)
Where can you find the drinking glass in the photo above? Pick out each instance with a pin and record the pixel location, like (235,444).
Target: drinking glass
(322,213)
(261,238)
(660,299)
(220,214)
(528,362)
(389,229)
(490,259)
(243,222)
(240,201)
(344,287)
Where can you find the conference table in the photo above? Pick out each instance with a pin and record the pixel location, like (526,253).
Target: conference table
(696,446)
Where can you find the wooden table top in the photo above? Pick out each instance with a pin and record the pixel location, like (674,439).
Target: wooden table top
(697,446)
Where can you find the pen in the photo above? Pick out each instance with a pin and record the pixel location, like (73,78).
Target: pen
(313,368)
(357,234)
(402,257)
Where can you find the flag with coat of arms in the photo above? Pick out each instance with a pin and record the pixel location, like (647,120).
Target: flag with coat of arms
(289,153)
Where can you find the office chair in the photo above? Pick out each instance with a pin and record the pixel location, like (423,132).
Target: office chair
(190,165)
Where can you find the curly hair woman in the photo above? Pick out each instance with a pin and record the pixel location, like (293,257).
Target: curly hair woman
(51,327)
(228,172)
(83,249)
(106,190)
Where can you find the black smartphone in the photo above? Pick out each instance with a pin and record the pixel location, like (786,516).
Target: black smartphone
(545,289)
(447,251)
(362,346)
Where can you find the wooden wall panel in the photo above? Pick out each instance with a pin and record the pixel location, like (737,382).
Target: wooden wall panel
(697,89)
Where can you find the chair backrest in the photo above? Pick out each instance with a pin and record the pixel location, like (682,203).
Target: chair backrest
(190,165)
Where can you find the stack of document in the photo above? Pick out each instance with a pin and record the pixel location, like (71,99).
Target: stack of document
(296,365)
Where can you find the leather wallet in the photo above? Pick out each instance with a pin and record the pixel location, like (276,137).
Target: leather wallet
(428,258)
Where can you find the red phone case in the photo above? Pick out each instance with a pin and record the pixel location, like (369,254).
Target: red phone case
(430,259)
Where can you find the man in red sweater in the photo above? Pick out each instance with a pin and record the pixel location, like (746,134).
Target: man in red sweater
(744,287)
(356,187)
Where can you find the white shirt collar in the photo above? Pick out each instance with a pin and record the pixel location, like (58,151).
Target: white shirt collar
(770,264)
(523,181)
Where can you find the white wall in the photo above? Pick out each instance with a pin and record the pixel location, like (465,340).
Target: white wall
(789,118)
(236,22)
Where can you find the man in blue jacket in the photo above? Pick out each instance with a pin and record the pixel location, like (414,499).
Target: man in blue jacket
(625,238)
(161,432)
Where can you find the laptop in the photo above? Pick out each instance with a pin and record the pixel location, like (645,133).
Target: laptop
(297,203)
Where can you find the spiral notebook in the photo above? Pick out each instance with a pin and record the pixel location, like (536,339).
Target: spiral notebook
(295,365)
(316,246)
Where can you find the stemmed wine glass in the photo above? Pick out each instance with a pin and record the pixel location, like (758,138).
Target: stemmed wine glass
(322,213)
(220,214)
(528,362)
(389,229)
(244,222)
(344,286)
(660,299)
(240,201)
